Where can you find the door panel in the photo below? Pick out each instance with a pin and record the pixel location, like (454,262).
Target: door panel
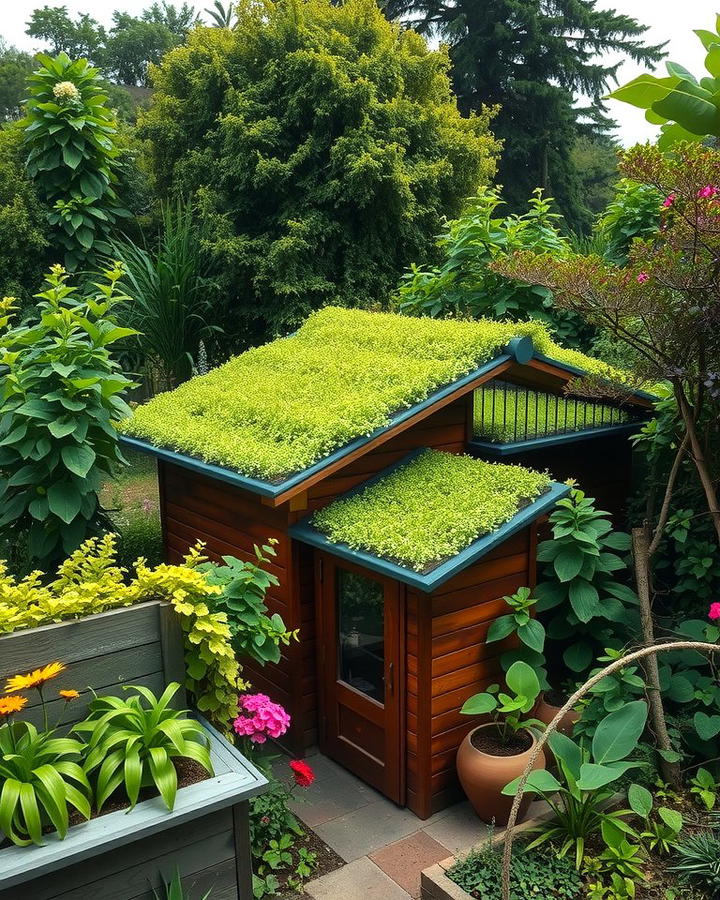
(360,623)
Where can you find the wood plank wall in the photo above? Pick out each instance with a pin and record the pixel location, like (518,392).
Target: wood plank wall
(447,662)
(230,521)
(446,429)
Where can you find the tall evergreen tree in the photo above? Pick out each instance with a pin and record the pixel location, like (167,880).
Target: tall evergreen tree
(533,57)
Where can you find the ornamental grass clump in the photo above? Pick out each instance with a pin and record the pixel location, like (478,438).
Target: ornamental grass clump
(279,408)
(431,508)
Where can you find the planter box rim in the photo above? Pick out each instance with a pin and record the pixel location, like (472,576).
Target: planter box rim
(73,620)
(107,832)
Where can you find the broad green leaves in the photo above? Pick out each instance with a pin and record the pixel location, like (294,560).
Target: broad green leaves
(58,413)
(618,734)
(687,109)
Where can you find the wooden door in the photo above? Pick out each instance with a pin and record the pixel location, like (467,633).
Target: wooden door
(360,629)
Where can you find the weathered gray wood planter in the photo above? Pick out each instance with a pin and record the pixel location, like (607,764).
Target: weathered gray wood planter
(125,855)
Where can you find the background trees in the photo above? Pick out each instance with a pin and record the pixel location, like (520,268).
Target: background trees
(531,57)
(323,145)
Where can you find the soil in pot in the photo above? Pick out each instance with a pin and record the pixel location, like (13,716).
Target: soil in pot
(486,763)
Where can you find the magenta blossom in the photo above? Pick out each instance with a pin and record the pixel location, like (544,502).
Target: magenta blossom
(714,611)
(643,277)
(669,200)
(707,192)
(260,718)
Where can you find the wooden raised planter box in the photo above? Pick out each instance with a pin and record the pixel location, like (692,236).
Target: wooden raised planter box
(125,855)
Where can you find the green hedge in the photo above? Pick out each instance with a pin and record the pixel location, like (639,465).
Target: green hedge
(431,508)
(277,409)
(553,415)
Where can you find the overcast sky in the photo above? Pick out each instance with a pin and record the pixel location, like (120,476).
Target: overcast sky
(669,20)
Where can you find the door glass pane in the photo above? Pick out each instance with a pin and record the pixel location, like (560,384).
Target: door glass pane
(361,633)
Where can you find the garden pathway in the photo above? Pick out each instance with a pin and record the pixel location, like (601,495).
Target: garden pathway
(385,847)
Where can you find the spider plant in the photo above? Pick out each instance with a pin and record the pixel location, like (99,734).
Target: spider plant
(40,776)
(133,741)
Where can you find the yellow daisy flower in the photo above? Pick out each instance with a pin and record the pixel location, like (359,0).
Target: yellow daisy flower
(34,679)
(10,705)
(69,694)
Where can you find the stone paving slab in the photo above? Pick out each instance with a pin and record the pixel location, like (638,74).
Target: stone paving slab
(359,880)
(404,860)
(368,829)
(459,829)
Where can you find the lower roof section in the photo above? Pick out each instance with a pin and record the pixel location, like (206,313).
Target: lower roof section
(306,532)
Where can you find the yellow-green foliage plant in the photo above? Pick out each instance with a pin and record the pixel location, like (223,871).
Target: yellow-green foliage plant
(269,412)
(89,581)
(431,508)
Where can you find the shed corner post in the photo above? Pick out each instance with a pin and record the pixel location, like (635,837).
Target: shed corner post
(243,856)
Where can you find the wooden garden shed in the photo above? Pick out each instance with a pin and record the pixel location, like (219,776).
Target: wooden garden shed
(315,439)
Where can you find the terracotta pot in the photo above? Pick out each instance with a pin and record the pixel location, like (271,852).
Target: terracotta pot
(483,776)
(546,712)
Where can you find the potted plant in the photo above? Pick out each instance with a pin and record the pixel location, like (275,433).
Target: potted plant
(495,753)
(549,704)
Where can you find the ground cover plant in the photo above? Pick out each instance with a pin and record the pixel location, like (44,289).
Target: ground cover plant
(431,508)
(378,363)
(504,414)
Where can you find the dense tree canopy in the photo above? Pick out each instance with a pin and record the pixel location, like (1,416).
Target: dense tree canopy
(125,51)
(323,146)
(15,66)
(532,56)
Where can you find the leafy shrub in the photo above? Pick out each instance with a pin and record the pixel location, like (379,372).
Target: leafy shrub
(132,744)
(507,711)
(587,780)
(431,508)
(324,146)
(580,578)
(91,582)
(463,285)
(23,223)
(73,160)
(633,213)
(242,599)
(533,874)
(60,404)
(377,363)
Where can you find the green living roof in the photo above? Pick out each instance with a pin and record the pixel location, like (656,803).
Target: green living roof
(430,508)
(277,409)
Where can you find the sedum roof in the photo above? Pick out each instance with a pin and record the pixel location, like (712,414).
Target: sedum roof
(277,409)
(430,508)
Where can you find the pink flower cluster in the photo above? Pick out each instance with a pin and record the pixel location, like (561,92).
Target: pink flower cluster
(714,612)
(260,718)
(669,200)
(707,192)
(643,277)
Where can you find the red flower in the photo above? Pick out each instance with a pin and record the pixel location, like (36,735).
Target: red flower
(302,773)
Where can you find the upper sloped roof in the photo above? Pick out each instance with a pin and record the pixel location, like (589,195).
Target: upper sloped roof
(281,409)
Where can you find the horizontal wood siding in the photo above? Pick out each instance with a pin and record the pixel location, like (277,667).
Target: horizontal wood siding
(203,850)
(446,429)
(448,661)
(138,645)
(231,521)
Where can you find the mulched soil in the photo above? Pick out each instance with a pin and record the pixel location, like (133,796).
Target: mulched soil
(327,861)
(488,740)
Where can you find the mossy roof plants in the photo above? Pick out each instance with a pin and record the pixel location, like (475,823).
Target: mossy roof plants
(277,409)
(430,508)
